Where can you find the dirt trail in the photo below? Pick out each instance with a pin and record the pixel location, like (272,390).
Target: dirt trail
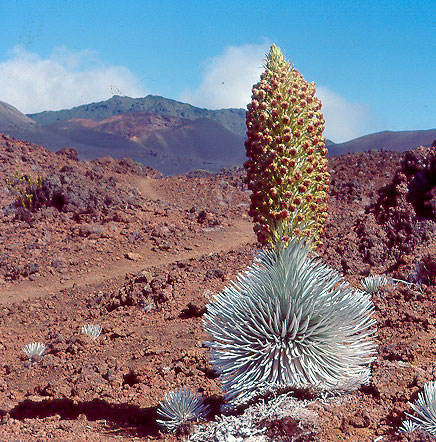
(216,240)
(146,187)
(212,240)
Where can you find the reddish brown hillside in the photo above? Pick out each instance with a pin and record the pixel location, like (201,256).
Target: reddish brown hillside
(135,126)
(141,255)
(172,145)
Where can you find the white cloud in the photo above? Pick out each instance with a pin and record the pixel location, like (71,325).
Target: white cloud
(62,80)
(228,78)
(344,120)
(227,82)
(69,78)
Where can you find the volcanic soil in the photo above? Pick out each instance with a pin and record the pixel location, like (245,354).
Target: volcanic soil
(119,245)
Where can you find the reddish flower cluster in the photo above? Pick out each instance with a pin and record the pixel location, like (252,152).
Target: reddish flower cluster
(286,166)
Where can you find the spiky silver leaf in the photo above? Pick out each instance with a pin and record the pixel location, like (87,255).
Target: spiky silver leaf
(289,321)
(92,330)
(34,351)
(372,284)
(408,426)
(425,407)
(180,407)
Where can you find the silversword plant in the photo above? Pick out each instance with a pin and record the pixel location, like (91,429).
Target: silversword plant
(34,351)
(92,330)
(289,321)
(408,426)
(425,407)
(180,407)
(373,283)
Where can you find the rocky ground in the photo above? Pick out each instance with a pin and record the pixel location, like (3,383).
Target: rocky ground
(117,244)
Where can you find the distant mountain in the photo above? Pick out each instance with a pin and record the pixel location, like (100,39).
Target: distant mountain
(165,134)
(170,144)
(18,125)
(134,126)
(198,144)
(173,145)
(388,140)
(11,116)
(231,119)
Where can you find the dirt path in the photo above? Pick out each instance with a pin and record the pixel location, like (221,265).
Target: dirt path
(147,187)
(215,240)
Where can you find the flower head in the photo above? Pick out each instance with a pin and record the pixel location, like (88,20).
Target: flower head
(291,125)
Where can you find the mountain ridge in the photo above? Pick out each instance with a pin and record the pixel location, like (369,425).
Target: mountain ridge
(173,145)
(398,141)
(232,119)
(170,144)
(171,136)
(11,116)
(153,104)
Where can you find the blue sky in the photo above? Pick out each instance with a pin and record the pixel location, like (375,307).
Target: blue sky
(374,62)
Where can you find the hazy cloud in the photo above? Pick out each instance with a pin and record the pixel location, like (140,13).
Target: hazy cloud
(62,80)
(68,78)
(228,78)
(344,120)
(227,82)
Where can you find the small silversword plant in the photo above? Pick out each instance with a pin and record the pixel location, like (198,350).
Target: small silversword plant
(289,321)
(180,407)
(372,284)
(408,426)
(34,351)
(92,330)
(425,407)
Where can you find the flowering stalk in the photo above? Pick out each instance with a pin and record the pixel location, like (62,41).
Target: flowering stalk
(286,167)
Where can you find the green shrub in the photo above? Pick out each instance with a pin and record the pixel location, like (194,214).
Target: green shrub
(26,190)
